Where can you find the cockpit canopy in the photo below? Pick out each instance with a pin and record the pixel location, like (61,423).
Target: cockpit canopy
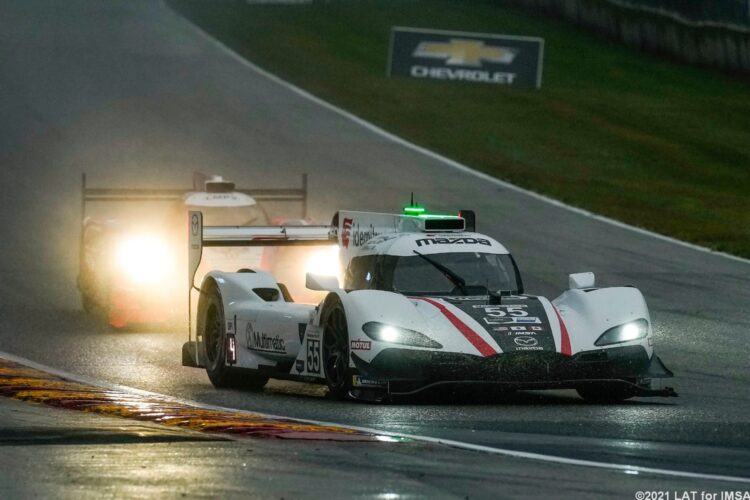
(417,264)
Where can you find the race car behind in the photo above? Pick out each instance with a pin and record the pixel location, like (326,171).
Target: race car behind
(129,267)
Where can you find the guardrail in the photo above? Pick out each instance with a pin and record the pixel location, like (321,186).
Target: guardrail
(706,43)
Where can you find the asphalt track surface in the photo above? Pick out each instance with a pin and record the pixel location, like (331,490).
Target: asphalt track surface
(131,93)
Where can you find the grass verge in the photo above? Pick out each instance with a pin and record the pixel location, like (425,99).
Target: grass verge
(649,142)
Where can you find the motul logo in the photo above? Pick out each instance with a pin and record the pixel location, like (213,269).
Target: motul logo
(361,345)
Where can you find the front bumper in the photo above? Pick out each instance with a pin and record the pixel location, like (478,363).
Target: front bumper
(405,371)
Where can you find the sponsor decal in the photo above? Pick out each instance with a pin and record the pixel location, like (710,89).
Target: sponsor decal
(527,320)
(230,327)
(507,314)
(194,225)
(361,345)
(469,75)
(346,232)
(312,332)
(453,241)
(527,344)
(352,234)
(358,381)
(299,365)
(258,341)
(514,317)
(467,57)
(511,321)
(525,341)
(361,236)
(313,356)
(463,52)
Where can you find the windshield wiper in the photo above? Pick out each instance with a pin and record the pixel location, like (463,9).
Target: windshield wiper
(451,275)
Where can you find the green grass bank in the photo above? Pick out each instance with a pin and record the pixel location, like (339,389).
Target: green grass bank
(649,142)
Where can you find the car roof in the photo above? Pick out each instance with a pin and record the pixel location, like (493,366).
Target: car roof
(404,244)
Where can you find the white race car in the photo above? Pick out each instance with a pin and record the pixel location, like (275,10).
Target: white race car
(426,301)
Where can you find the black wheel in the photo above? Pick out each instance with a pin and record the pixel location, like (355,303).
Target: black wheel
(336,350)
(605,393)
(214,345)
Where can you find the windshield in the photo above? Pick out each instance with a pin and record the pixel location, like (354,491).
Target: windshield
(413,275)
(248,215)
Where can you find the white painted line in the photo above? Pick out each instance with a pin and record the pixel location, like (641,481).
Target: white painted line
(630,469)
(436,156)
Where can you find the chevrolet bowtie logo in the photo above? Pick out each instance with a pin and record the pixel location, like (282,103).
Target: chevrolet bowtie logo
(460,52)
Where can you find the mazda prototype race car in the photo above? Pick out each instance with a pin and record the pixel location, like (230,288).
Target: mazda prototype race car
(425,302)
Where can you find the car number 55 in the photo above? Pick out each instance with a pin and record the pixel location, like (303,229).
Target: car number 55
(313,356)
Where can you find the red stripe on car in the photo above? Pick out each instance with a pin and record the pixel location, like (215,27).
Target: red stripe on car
(564,337)
(481,345)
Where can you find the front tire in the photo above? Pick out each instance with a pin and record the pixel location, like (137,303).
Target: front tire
(214,346)
(336,350)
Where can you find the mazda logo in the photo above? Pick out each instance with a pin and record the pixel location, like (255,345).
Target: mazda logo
(525,341)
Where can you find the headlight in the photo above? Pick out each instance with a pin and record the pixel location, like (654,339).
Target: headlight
(397,335)
(624,333)
(144,259)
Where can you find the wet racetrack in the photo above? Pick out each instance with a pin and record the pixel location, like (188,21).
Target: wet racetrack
(132,94)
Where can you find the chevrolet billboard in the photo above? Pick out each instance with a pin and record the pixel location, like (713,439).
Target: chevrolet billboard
(468,57)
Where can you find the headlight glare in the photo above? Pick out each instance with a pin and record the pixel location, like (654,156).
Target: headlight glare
(144,259)
(633,330)
(323,261)
(397,335)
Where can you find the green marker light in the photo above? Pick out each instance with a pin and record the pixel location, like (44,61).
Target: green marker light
(414,210)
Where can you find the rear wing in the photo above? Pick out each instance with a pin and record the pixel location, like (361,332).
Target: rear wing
(200,236)
(89,194)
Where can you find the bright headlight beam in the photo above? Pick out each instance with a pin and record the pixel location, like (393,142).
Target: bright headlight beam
(143,258)
(388,334)
(396,335)
(324,261)
(626,332)
(630,332)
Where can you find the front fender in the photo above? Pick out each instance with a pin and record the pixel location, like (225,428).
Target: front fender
(588,314)
(375,305)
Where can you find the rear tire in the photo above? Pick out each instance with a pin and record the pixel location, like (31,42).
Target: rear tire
(214,346)
(608,393)
(336,350)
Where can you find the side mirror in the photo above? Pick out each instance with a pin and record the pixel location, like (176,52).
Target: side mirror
(321,282)
(581,280)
